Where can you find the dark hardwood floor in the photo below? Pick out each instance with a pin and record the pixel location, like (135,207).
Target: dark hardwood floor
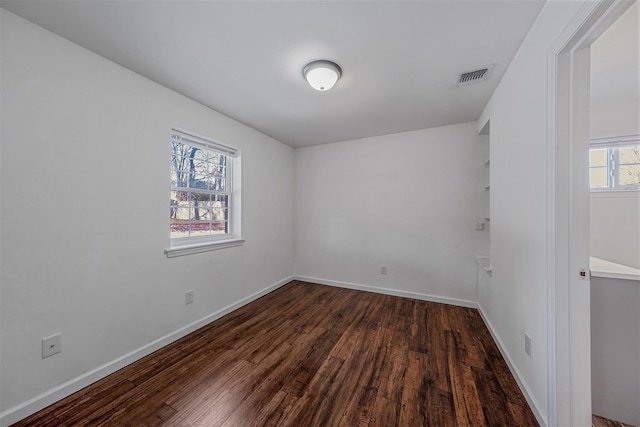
(313,355)
(598,421)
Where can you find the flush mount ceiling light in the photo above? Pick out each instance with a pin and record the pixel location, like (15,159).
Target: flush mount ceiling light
(322,75)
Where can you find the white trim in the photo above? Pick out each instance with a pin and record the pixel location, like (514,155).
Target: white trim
(558,358)
(616,194)
(616,141)
(203,247)
(388,291)
(23,410)
(533,404)
(568,397)
(191,138)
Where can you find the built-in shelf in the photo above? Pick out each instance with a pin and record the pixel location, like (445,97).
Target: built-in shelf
(484,262)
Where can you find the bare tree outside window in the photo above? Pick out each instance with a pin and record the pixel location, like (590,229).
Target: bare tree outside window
(200,191)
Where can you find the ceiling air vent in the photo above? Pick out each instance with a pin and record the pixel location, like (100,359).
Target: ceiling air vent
(475,76)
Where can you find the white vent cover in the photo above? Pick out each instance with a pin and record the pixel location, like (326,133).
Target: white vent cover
(475,76)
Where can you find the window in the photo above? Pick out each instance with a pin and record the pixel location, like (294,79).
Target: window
(614,164)
(202,198)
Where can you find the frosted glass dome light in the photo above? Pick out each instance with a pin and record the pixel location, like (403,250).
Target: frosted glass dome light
(322,75)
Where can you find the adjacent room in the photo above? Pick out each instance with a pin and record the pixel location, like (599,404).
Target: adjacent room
(312,213)
(615,220)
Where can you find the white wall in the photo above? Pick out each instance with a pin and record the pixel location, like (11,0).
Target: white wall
(615,344)
(615,86)
(84,183)
(615,119)
(615,111)
(516,295)
(615,227)
(407,200)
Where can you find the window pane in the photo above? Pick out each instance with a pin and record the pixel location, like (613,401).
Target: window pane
(197,172)
(198,181)
(629,174)
(218,173)
(598,157)
(598,177)
(220,227)
(179,173)
(200,211)
(179,229)
(199,155)
(629,154)
(217,184)
(198,205)
(199,228)
(179,205)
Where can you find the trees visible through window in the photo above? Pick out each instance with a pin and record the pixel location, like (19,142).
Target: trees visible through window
(614,164)
(201,189)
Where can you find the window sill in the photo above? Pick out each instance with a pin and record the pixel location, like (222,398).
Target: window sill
(603,194)
(202,247)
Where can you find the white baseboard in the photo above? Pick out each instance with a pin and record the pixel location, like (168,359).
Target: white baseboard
(15,414)
(514,371)
(389,291)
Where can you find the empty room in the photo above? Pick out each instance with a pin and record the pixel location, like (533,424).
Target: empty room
(317,213)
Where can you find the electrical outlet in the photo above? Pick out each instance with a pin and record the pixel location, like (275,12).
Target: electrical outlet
(527,344)
(479,226)
(383,269)
(51,345)
(188,297)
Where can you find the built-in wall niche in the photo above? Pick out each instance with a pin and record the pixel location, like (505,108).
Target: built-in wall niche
(487,187)
(484,259)
(485,139)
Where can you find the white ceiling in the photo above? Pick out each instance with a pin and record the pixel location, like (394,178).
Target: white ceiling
(400,59)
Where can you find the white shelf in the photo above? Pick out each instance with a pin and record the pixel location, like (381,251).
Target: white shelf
(485,262)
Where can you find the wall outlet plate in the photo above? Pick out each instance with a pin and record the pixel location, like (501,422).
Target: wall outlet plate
(527,344)
(51,345)
(188,297)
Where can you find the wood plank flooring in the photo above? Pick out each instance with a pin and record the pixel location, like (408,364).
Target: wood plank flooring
(598,421)
(312,355)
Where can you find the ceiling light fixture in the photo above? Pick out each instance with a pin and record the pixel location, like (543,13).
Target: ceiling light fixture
(322,75)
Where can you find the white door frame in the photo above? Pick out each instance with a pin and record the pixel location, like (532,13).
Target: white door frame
(568,328)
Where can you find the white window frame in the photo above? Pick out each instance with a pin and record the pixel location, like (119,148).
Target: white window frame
(612,145)
(232,237)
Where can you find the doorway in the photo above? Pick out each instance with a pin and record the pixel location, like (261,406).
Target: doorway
(569,331)
(614,173)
